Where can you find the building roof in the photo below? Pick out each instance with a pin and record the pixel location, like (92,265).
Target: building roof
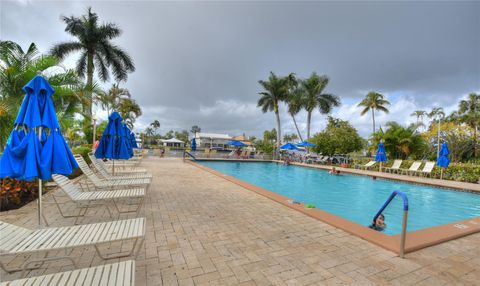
(171,140)
(213,136)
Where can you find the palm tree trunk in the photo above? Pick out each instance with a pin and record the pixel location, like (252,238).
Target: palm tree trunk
(279,133)
(90,83)
(309,119)
(373,118)
(475,141)
(296,127)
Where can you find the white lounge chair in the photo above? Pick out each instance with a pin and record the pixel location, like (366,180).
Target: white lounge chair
(427,169)
(120,273)
(368,165)
(413,168)
(103,172)
(395,167)
(109,184)
(85,199)
(15,240)
(121,169)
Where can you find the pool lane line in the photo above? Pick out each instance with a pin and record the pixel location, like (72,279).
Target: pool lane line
(416,240)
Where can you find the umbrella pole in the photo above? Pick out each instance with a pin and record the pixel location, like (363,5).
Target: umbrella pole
(39,201)
(113,167)
(441,173)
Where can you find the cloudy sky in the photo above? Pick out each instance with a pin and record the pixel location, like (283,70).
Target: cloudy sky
(198,63)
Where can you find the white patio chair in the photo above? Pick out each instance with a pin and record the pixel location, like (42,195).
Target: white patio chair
(368,165)
(120,273)
(15,240)
(85,199)
(121,169)
(427,169)
(103,172)
(413,168)
(109,184)
(395,167)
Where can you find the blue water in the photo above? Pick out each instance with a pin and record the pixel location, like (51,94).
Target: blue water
(357,198)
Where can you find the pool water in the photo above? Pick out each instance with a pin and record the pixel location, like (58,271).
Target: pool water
(357,198)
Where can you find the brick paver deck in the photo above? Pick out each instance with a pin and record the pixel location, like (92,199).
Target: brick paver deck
(204,230)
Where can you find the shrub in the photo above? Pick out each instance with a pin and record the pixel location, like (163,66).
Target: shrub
(84,152)
(14,194)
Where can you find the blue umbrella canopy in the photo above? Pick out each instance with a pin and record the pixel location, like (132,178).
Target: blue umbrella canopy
(27,156)
(126,135)
(288,146)
(236,143)
(443,160)
(113,144)
(381,155)
(306,144)
(133,140)
(194,144)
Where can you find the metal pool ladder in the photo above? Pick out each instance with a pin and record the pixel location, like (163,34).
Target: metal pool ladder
(405,216)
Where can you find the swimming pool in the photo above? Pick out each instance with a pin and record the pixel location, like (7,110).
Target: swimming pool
(357,198)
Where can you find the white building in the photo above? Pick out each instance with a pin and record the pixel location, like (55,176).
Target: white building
(172,142)
(212,140)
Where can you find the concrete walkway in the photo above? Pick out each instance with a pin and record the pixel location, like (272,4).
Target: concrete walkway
(204,230)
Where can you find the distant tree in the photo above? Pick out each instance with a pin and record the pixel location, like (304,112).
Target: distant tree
(195,129)
(276,90)
(169,135)
(290,137)
(110,100)
(155,125)
(374,101)
(338,137)
(270,136)
(182,135)
(419,114)
(469,113)
(314,97)
(149,134)
(97,50)
(459,138)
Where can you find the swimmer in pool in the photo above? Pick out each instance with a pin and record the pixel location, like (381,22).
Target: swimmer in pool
(379,224)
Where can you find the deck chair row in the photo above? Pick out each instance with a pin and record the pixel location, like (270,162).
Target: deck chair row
(413,170)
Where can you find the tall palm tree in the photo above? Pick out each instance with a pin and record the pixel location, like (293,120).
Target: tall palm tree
(94,41)
(130,111)
(314,97)
(469,113)
(374,101)
(295,104)
(276,90)
(419,114)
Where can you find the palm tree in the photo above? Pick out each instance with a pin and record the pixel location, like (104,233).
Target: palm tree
(295,103)
(111,99)
(149,133)
(469,113)
(419,114)
(97,50)
(130,111)
(276,90)
(195,129)
(18,67)
(155,125)
(374,101)
(314,97)
(437,114)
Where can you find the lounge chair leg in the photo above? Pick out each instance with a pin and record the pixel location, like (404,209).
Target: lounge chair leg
(120,255)
(42,261)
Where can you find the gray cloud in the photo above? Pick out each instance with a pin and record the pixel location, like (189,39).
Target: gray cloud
(199,62)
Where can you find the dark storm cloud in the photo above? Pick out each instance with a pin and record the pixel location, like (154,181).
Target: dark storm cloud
(199,63)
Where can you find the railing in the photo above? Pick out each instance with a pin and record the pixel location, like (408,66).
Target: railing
(185,154)
(405,217)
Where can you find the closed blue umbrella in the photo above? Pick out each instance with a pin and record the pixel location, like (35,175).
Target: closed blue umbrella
(133,140)
(113,144)
(194,144)
(288,146)
(306,144)
(381,155)
(443,160)
(36,147)
(236,143)
(126,135)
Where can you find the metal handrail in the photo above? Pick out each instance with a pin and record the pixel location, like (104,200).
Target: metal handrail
(185,153)
(405,217)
